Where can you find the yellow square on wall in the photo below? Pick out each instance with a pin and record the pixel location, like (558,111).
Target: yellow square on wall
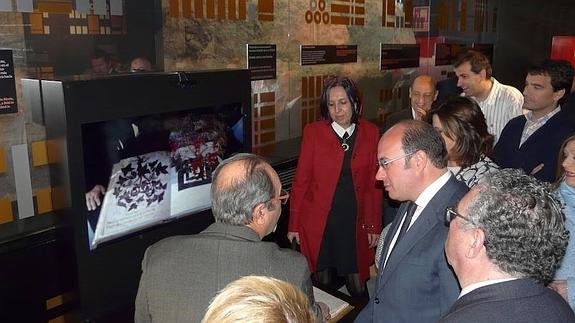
(39,153)
(2,160)
(44,200)
(6,210)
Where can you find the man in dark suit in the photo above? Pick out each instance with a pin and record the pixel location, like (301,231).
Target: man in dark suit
(422,93)
(506,238)
(415,283)
(180,275)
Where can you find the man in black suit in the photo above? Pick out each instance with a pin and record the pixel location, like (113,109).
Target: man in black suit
(422,93)
(506,238)
(415,283)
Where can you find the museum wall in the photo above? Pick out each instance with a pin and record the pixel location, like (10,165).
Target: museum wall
(51,39)
(55,38)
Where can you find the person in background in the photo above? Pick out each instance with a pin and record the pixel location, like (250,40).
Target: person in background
(499,103)
(257,299)
(335,211)
(140,64)
(462,125)
(531,142)
(422,94)
(181,274)
(101,63)
(415,283)
(506,238)
(564,280)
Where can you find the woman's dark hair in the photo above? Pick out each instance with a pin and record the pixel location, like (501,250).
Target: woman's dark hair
(352,94)
(464,123)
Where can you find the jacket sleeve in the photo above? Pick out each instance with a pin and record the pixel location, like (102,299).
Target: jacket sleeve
(366,314)
(374,206)
(303,177)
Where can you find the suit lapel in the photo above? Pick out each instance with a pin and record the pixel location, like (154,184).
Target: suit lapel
(424,223)
(431,216)
(392,231)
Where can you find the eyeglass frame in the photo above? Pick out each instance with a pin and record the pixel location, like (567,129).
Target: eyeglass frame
(385,164)
(451,214)
(283,197)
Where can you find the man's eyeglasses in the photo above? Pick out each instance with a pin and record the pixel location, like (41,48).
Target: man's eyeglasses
(283,198)
(385,163)
(451,214)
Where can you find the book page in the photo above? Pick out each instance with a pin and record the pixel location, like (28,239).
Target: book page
(337,306)
(137,196)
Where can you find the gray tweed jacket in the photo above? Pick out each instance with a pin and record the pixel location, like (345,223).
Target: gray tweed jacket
(180,275)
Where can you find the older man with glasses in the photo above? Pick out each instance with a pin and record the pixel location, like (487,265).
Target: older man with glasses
(506,238)
(180,275)
(415,283)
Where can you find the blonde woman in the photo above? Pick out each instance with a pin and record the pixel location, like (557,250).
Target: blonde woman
(260,299)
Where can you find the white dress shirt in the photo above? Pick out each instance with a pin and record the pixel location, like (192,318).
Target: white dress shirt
(341,131)
(503,103)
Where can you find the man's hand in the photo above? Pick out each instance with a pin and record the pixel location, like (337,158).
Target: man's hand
(93,199)
(560,286)
(420,113)
(372,239)
(293,235)
(324,311)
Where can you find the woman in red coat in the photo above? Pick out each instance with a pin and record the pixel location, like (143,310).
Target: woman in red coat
(336,207)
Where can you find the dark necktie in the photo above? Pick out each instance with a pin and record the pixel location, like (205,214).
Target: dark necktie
(408,216)
(345,136)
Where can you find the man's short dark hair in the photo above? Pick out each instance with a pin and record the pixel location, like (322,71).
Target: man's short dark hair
(419,135)
(523,222)
(560,71)
(477,60)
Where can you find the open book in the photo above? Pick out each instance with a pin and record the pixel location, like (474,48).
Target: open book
(148,189)
(337,306)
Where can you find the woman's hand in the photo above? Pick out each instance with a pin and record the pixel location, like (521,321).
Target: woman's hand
(293,235)
(372,239)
